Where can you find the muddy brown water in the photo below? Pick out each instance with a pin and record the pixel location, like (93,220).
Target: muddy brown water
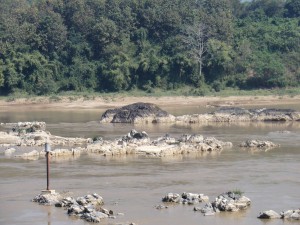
(134,185)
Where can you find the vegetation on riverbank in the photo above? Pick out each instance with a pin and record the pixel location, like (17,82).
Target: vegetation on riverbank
(55,46)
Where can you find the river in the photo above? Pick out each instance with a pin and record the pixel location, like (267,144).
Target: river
(134,185)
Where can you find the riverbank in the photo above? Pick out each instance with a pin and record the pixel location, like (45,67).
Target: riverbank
(94,102)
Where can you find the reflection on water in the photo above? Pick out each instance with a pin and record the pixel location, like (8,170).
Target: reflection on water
(133,185)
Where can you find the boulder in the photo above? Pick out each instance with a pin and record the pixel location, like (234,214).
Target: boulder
(136,113)
(48,198)
(291,214)
(270,214)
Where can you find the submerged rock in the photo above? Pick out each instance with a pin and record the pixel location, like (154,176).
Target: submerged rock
(258,144)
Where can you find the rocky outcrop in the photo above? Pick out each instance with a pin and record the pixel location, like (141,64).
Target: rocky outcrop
(132,143)
(289,214)
(137,113)
(39,138)
(139,143)
(258,144)
(234,114)
(149,113)
(228,201)
(185,198)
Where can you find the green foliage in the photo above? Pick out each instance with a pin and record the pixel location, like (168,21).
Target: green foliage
(55,46)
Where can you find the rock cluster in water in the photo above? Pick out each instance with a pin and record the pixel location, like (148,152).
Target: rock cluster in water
(139,143)
(185,198)
(289,214)
(134,142)
(88,207)
(229,202)
(150,113)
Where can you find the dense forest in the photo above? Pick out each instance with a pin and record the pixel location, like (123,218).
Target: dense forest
(52,46)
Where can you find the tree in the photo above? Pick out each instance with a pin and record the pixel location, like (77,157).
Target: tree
(219,59)
(293,8)
(195,39)
(1,73)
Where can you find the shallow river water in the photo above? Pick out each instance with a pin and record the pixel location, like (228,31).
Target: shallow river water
(134,185)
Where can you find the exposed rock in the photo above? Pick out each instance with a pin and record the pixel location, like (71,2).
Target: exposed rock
(66,152)
(258,144)
(228,201)
(162,146)
(172,197)
(134,136)
(185,198)
(38,137)
(9,139)
(48,198)
(270,214)
(88,207)
(207,210)
(291,214)
(231,202)
(227,114)
(148,113)
(133,143)
(137,113)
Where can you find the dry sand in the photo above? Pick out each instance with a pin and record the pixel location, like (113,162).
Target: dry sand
(65,103)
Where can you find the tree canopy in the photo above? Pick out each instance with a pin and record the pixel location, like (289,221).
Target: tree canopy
(49,46)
